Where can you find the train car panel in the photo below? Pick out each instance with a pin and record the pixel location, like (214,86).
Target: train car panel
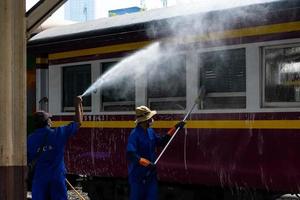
(242,135)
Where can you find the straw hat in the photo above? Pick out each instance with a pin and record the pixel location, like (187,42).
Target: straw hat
(143,113)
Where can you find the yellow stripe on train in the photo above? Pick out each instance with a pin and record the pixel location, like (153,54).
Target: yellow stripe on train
(99,50)
(201,124)
(246,32)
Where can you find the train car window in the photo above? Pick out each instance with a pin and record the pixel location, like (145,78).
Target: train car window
(76,79)
(281,75)
(119,96)
(223,74)
(166,84)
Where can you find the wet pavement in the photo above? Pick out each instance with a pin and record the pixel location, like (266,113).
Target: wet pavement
(72,195)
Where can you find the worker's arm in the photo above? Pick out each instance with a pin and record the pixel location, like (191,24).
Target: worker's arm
(132,155)
(78,110)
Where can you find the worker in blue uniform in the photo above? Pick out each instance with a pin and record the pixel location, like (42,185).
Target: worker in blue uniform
(46,146)
(141,146)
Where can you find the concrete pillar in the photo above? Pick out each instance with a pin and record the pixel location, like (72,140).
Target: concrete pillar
(12,100)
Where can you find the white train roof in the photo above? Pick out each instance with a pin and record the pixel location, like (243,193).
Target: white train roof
(141,17)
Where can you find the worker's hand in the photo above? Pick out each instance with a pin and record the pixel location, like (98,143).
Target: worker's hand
(180,125)
(78,100)
(151,166)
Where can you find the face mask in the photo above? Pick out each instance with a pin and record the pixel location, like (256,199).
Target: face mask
(49,122)
(150,122)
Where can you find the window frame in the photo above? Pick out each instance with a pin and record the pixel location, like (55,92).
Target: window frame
(56,87)
(102,104)
(266,104)
(68,109)
(170,99)
(223,94)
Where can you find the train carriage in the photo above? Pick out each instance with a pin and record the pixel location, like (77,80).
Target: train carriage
(243,135)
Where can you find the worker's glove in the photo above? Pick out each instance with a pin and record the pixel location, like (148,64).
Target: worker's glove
(180,125)
(146,163)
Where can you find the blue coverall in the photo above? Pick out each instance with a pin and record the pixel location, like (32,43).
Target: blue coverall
(141,144)
(49,176)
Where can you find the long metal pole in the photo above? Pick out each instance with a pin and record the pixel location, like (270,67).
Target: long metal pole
(199,98)
(184,119)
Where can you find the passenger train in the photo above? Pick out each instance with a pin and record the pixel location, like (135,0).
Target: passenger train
(241,142)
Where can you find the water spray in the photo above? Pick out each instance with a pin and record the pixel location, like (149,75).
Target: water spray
(129,66)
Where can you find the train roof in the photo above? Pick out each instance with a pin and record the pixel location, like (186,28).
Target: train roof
(118,21)
(130,19)
(109,29)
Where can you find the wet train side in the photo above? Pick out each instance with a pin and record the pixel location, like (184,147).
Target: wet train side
(243,136)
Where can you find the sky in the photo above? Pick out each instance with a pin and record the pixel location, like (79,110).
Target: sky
(103,6)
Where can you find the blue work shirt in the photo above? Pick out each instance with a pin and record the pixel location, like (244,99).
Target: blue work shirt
(142,144)
(51,160)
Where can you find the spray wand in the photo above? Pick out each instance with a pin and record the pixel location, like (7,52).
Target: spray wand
(197,101)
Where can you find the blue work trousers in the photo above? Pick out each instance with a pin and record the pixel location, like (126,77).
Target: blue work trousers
(143,191)
(52,189)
